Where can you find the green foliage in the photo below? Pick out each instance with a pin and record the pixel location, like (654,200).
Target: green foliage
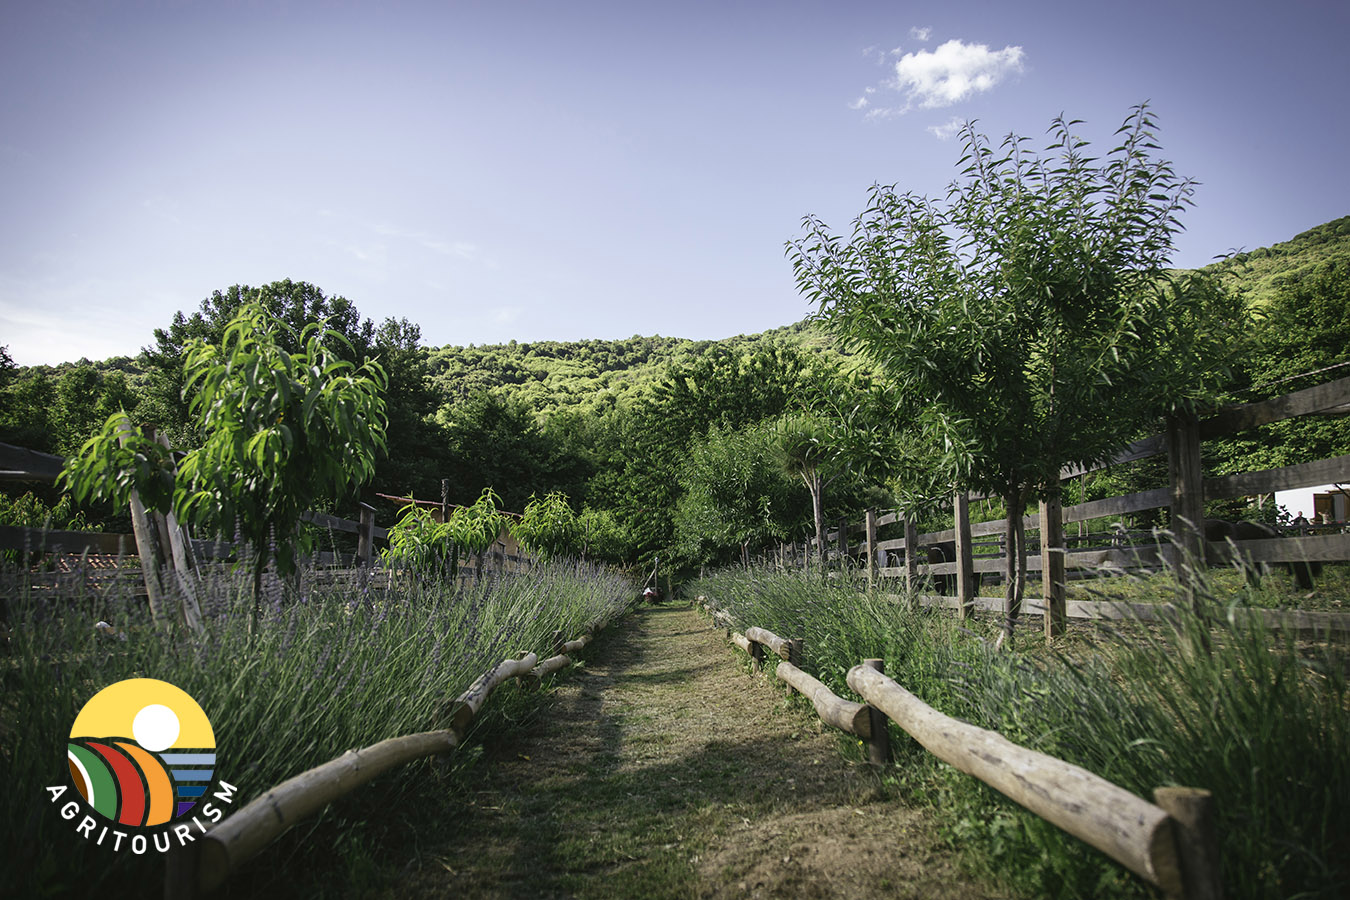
(1028,321)
(734,498)
(549,528)
(474,528)
(1265,272)
(419,543)
(285,430)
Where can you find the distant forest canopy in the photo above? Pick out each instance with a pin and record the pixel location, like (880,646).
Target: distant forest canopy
(647,435)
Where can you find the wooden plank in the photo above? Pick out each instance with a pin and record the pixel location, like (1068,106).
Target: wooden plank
(1126,828)
(1140,449)
(833,710)
(1310,474)
(893,544)
(1323,398)
(1310,548)
(22,464)
(889,518)
(36,540)
(1117,506)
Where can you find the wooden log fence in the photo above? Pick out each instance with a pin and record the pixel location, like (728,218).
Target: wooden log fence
(1171,843)
(204,864)
(976,549)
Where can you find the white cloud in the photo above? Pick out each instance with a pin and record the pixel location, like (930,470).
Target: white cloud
(931,79)
(919,34)
(948,131)
(953,71)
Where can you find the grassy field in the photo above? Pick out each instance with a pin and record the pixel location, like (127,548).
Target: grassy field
(323,672)
(1259,718)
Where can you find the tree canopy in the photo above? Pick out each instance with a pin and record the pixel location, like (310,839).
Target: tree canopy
(1028,320)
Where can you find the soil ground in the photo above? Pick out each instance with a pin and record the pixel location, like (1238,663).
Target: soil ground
(663,768)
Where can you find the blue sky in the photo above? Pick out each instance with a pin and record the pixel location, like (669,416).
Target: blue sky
(533,171)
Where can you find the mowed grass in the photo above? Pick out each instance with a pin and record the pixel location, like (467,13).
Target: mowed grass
(1261,719)
(658,768)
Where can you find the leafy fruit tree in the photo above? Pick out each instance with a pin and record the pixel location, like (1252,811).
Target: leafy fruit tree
(1029,320)
(284,430)
(549,527)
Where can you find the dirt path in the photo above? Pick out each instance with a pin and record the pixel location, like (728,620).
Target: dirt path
(663,769)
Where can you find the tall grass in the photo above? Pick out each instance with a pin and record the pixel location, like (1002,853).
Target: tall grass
(1260,720)
(325,670)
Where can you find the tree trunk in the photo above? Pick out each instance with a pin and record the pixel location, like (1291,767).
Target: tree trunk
(1015,567)
(816,484)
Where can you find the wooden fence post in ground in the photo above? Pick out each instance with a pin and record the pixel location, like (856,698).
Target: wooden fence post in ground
(843,545)
(879,744)
(1197,839)
(911,556)
(445,500)
(756,656)
(1052,564)
(1187,489)
(365,546)
(870,525)
(965,560)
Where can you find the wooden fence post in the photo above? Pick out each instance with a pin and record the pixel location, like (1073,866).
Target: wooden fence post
(1197,839)
(965,568)
(879,744)
(1187,490)
(445,500)
(365,546)
(843,545)
(1052,563)
(870,525)
(911,555)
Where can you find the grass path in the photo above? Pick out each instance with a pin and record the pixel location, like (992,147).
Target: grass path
(662,768)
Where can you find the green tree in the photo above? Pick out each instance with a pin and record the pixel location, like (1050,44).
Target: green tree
(549,527)
(1029,320)
(284,430)
(734,496)
(296,304)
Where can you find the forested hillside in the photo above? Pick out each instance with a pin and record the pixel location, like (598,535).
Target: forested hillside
(593,375)
(1262,273)
(667,446)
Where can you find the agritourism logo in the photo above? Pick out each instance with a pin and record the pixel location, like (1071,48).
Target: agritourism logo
(142,755)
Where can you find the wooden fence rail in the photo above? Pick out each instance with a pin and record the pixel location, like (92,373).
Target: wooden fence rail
(973,549)
(203,865)
(1170,843)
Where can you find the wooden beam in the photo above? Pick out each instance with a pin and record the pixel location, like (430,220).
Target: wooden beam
(240,837)
(1126,828)
(466,706)
(1320,399)
(1310,474)
(832,709)
(780,646)
(1053,564)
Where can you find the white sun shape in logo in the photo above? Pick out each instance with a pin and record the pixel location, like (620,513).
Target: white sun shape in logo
(155,727)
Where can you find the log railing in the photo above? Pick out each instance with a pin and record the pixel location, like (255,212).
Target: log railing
(1170,842)
(203,865)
